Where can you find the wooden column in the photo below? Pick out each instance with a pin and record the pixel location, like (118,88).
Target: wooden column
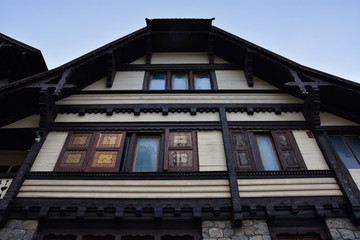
(234,190)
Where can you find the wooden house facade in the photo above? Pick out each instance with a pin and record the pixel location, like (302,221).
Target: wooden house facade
(180,131)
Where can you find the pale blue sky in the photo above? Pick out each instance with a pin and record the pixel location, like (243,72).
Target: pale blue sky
(321,34)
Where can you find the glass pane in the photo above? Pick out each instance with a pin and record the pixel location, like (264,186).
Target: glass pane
(202,81)
(180,82)
(267,153)
(354,142)
(344,152)
(157,82)
(146,154)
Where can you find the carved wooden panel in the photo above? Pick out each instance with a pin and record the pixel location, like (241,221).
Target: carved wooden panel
(242,150)
(180,151)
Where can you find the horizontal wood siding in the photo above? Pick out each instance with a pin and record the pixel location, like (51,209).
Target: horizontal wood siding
(143,117)
(328,119)
(211,151)
(206,98)
(179,58)
(50,151)
(28,122)
(265,116)
(288,187)
(310,151)
(235,79)
(125,189)
(124,80)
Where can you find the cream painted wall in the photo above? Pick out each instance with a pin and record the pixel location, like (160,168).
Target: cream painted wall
(125,189)
(50,151)
(141,60)
(219,60)
(355,174)
(266,116)
(28,122)
(209,98)
(211,151)
(310,151)
(328,119)
(124,80)
(235,79)
(143,117)
(179,58)
(293,187)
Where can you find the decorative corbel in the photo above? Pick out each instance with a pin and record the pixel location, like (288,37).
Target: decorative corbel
(248,67)
(64,78)
(48,109)
(111,69)
(148,49)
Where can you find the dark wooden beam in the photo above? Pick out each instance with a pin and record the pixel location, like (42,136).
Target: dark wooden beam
(111,69)
(211,48)
(64,78)
(248,68)
(234,188)
(178,67)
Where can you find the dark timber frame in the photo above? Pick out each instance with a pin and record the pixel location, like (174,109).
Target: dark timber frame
(38,95)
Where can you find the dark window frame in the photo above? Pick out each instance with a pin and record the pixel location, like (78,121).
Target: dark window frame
(254,153)
(191,80)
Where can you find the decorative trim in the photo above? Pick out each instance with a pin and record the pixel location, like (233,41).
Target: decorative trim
(127,175)
(285,174)
(178,67)
(129,108)
(73,211)
(129,126)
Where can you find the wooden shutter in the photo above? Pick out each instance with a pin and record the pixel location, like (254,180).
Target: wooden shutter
(288,151)
(180,151)
(106,152)
(242,151)
(75,152)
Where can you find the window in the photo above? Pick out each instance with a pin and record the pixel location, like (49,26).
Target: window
(179,80)
(348,149)
(157,81)
(202,81)
(269,151)
(107,151)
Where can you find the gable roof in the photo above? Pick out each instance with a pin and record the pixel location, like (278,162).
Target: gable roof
(181,35)
(18,60)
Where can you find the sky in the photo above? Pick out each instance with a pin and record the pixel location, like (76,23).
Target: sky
(321,34)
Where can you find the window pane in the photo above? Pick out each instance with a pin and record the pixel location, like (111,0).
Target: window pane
(146,155)
(157,82)
(180,81)
(354,142)
(202,81)
(267,153)
(344,152)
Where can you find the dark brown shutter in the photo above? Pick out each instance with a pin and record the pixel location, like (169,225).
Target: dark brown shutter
(75,152)
(106,152)
(242,151)
(288,151)
(180,151)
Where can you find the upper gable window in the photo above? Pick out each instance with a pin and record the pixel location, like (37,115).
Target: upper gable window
(157,81)
(202,81)
(173,80)
(348,149)
(180,81)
